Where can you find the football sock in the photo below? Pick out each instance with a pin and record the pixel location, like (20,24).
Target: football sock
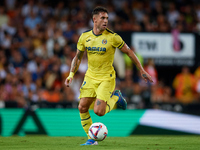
(111,103)
(86,122)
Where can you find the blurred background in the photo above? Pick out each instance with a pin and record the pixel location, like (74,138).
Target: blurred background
(38,42)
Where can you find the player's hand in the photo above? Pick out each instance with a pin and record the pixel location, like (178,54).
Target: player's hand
(146,76)
(69,79)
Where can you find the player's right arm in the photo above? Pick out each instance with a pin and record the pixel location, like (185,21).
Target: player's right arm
(76,60)
(74,66)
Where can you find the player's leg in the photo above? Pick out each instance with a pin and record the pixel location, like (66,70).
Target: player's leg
(87,97)
(116,97)
(100,107)
(121,102)
(106,99)
(83,107)
(86,120)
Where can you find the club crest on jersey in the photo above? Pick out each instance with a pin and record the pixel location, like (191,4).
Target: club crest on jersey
(104,41)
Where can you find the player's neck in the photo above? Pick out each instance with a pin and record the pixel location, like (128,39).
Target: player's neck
(96,31)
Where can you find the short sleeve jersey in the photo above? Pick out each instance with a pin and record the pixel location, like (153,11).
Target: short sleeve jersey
(100,52)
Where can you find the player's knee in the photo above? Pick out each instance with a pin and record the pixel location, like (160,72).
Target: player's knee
(82,109)
(99,112)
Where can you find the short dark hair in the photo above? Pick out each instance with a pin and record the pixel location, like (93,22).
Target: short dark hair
(99,9)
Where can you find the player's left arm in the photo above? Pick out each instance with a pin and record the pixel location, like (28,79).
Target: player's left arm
(125,49)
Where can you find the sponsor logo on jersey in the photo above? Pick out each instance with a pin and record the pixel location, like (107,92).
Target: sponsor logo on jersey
(96,49)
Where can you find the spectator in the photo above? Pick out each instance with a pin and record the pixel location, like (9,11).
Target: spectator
(138,10)
(160,93)
(9,27)
(17,18)
(172,14)
(184,85)
(57,38)
(3,63)
(31,21)
(3,16)
(28,85)
(136,100)
(157,92)
(27,8)
(63,23)
(197,78)
(60,9)
(67,95)
(45,10)
(162,24)
(157,10)
(6,40)
(69,32)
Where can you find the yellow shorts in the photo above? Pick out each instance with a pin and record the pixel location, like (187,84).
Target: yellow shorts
(96,88)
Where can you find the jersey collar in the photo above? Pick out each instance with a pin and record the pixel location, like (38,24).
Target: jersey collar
(95,34)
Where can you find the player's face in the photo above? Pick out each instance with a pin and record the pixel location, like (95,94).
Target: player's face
(102,21)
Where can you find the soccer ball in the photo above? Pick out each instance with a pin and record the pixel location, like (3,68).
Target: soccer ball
(98,131)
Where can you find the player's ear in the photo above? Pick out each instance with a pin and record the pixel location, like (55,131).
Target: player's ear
(94,18)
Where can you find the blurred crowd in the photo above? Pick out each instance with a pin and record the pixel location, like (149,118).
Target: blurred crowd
(38,42)
(184,89)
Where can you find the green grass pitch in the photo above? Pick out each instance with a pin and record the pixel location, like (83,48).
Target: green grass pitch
(142,142)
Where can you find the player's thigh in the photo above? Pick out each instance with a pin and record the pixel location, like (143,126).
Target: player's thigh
(104,92)
(105,89)
(85,103)
(88,88)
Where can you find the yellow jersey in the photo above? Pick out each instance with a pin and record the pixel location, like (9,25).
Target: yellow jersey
(100,52)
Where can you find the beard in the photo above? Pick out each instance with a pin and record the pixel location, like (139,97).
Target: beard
(102,28)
